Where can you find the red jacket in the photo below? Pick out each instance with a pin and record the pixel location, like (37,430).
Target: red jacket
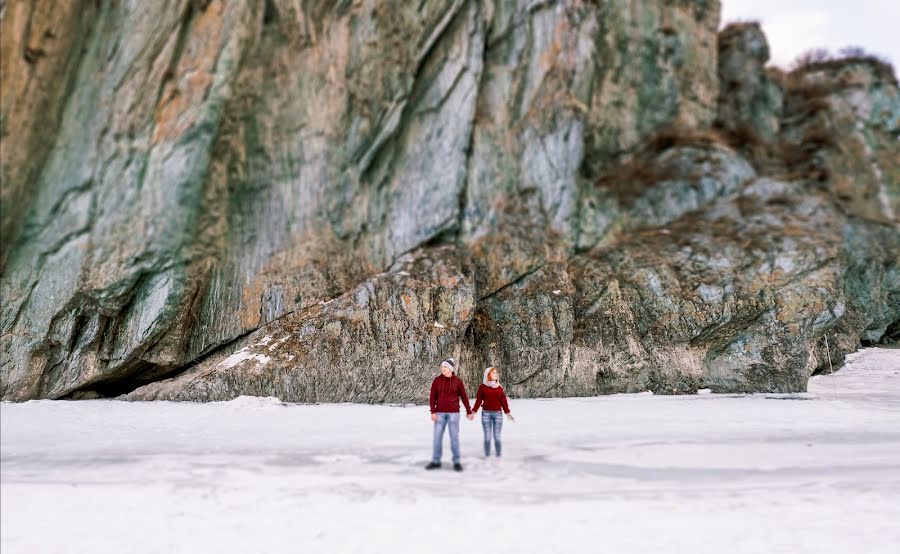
(446,393)
(493,397)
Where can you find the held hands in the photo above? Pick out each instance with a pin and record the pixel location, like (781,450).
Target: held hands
(470,417)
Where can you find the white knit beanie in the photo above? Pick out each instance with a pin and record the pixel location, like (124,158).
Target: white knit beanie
(449,362)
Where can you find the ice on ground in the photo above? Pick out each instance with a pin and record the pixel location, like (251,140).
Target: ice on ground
(815,472)
(868,375)
(253,403)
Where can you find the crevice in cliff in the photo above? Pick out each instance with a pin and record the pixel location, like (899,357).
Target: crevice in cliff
(531,376)
(9,329)
(720,334)
(463,198)
(436,106)
(516,24)
(180,42)
(139,373)
(514,282)
(397,116)
(435,35)
(891,336)
(111,387)
(209,352)
(270,13)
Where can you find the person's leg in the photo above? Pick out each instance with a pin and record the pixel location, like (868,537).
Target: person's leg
(498,426)
(453,422)
(486,426)
(437,446)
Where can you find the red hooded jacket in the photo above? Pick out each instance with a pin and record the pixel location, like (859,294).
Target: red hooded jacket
(446,393)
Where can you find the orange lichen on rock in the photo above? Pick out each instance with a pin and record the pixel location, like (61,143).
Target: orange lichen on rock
(178,107)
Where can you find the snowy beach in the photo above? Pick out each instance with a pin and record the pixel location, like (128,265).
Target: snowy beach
(814,472)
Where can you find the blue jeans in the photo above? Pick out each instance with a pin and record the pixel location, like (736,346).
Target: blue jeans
(492,422)
(445,419)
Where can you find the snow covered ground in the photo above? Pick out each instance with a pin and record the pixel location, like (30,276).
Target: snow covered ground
(816,472)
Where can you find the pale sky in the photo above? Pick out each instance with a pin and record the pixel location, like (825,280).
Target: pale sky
(795,26)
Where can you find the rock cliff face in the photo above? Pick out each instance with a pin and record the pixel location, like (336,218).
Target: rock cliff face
(319,200)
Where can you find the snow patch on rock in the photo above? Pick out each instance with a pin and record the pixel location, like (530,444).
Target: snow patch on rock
(242,355)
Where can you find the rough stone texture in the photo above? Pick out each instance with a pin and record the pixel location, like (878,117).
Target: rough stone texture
(534,184)
(655,188)
(842,120)
(376,343)
(730,298)
(105,276)
(40,44)
(749,102)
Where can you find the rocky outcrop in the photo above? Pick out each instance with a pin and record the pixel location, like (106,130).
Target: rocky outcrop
(376,343)
(732,297)
(319,202)
(750,103)
(840,128)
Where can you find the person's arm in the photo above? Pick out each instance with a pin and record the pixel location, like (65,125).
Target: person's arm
(464,396)
(479,398)
(432,400)
(503,401)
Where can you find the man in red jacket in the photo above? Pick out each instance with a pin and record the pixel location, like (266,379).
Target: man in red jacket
(446,391)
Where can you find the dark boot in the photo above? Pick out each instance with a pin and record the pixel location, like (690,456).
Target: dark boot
(457,467)
(433,465)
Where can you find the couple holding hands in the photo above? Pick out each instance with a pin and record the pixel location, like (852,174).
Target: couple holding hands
(446,391)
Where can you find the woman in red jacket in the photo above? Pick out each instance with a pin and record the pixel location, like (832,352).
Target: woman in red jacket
(491,394)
